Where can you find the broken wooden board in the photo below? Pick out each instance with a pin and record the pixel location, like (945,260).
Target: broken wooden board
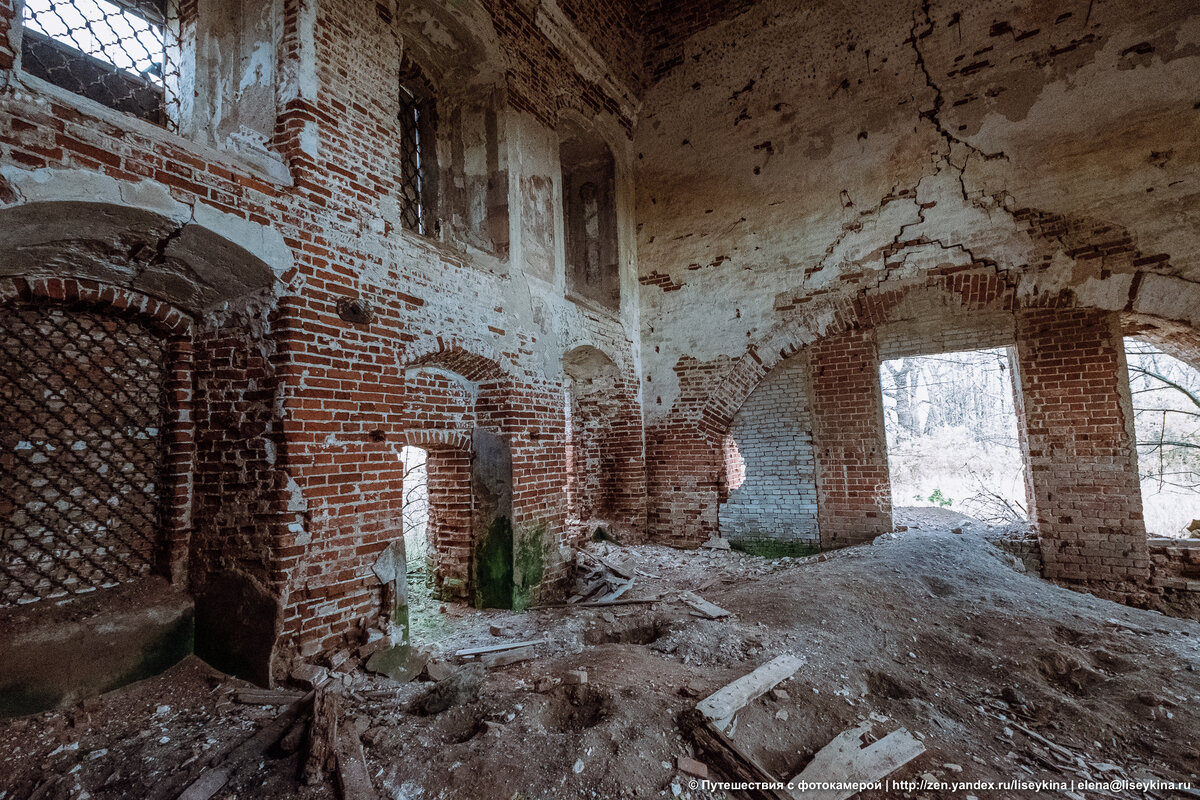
(728,759)
(265,697)
(721,705)
(701,605)
(615,594)
(503,659)
(353,779)
(248,753)
(322,738)
(496,648)
(845,761)
(620,572)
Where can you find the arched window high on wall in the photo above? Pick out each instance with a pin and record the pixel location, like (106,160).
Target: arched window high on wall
(590,217)
(418,155)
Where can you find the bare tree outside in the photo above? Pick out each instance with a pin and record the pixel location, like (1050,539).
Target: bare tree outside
(952,434)
(1166,404)
(416,509)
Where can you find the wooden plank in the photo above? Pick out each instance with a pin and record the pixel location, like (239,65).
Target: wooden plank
(353,779)
(594,604)
(264,697)
(725,757)
(611,567)
(703,606)
(616,593)
(249,752)
(720,706)
(845,760)
(496,648)
(322,738)
(493,660)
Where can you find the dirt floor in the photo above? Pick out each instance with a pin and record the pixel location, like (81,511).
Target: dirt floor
(1002,676)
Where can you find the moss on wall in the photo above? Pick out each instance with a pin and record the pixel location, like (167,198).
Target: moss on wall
(530,564)
(494,566)
(775,548)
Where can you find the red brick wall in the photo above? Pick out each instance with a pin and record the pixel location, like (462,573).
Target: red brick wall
(1078,430)
(853,489)
(449,481)
(299,415)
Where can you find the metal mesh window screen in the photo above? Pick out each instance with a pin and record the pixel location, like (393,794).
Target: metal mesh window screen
(412,197)
(122,53)
(81,451)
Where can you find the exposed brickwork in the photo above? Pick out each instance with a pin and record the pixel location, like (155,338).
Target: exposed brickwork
(296,487)
(772,494)
(852,470)
(668,25)
(449,482)
(1079,447)
(1174,564)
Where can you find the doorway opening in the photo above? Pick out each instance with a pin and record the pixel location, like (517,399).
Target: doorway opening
(418,553)
(1166,419)
(952,434)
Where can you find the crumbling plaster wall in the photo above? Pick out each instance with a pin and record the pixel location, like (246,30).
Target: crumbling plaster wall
(807,164)
(299,413)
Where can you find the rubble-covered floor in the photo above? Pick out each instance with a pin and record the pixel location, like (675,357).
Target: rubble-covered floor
(941,633)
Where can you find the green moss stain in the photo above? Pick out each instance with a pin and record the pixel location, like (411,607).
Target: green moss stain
(775,548)
(530,564)
(400,620)
(494,566)
(18,699)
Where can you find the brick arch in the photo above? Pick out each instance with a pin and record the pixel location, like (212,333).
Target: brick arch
(473,360)
(436,439)
(810,319)
(164,317)
(586,359)
(191,257)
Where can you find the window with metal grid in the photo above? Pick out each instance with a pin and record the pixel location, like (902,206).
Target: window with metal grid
(81,451)
(412,185)
(122,53)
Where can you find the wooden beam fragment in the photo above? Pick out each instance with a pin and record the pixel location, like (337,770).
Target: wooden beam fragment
(845,761)
(493,660)
(322,738)
(728,759)
(353,779)
(211,781)
(496,648)
(701,605)
(720,706)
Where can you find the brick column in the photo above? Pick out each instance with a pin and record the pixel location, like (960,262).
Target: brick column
(1078,423)
(7,24)
(853,484)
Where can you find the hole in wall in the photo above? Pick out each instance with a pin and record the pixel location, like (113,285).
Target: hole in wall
(952,434)
(1166,418)
(419,553)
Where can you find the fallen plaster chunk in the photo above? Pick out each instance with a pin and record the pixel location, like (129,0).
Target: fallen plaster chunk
(717,543)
